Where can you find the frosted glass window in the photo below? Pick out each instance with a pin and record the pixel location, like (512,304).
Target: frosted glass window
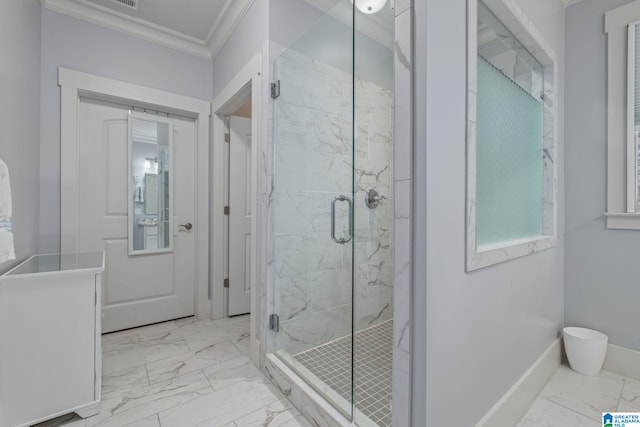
(509,159)
(511,140)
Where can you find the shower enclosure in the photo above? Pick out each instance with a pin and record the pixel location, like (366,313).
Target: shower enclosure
(333,208)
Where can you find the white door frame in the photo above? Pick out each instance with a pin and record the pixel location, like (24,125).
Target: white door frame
(225,103)
(73,85)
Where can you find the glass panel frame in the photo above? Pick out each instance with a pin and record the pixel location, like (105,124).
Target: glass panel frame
(374,214)
(313,188)
(332,97)
(150,181)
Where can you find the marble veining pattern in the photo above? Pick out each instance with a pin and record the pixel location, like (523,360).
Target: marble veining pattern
(185,373)
(573,399)
(403,147)
(313,158)
(316,409)
(298,301)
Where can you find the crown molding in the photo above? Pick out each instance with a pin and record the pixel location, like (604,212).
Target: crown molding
(568,3)
(232,13)
(114,20)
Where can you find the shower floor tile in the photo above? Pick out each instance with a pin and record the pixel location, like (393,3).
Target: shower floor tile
(332,364)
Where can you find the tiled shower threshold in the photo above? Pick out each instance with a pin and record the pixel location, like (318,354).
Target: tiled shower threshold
(327,369)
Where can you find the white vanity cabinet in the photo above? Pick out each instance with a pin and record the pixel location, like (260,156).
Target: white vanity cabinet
(50,345)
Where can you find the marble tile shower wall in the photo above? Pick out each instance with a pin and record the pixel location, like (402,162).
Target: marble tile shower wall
(313,164)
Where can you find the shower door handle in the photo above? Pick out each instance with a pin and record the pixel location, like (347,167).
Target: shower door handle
(341,240)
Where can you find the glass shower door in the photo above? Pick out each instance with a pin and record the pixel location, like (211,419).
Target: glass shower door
(333,199)
(313,196)
(374,213)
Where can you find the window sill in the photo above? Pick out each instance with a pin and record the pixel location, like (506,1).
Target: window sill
(623,220)
(487,255)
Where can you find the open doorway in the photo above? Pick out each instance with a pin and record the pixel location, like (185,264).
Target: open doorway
(235,200)
(238,209)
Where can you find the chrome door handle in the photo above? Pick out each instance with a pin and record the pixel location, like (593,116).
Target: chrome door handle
(341,240)
(188,226)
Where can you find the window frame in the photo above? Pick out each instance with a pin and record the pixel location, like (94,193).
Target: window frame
(631,137)
(623,210)
(517,23)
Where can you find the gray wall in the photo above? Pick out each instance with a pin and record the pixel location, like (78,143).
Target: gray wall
(602,268)
(76,44)
(244,43)
(483,329)
(294,21)
(20,116)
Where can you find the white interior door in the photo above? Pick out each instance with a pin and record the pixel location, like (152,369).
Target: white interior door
(240,216)
(137,289)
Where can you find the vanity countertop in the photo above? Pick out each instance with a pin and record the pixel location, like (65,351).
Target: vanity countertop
(56,263)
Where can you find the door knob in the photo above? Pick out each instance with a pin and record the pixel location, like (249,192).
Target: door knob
(188,226)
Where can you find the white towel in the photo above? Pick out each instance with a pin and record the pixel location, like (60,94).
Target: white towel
(7,251)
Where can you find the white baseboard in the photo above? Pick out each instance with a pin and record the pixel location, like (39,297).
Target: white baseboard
(514,404)
(622,361)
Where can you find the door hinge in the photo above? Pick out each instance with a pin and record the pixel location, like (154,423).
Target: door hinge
(274,322)
(227,210)
(275,89)
(226,283)
(227,137)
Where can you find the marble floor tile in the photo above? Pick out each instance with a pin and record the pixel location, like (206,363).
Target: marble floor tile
(544,413)
(243,345)
(171,367)
(120,408)
(117,342)
(630,398)
(278,414)
(214,336)
(156,329)
(130,358)
(240,321)
(184,373)
(182,329)
(586,395)
(151,421)
(127,379)
(625,407)
(232,371)
(222,406)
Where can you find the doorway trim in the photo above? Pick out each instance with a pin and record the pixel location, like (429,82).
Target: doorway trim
(74,84)
(247,81)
